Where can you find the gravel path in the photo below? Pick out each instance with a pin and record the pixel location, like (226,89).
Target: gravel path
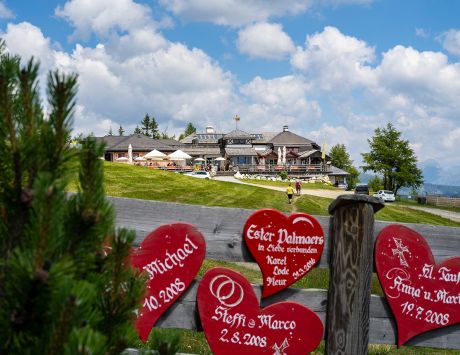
(313,192)
(453,216)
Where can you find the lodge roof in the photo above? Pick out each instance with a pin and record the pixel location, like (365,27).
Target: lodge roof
(139,142)
(337,172)
(287,138)
(264,137)
(237,133)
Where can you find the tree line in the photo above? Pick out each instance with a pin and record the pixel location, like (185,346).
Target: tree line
(149,127)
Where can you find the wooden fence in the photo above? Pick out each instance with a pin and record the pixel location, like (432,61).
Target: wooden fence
(443,201)
(222,229)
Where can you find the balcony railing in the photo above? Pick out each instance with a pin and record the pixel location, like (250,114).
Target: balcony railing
(292,169)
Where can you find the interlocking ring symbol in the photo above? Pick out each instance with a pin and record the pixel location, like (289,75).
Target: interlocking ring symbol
(223,298)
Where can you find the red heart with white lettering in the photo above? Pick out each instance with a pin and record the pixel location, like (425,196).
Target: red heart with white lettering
(286,248)
(171,255)
(234,323)
(422,295)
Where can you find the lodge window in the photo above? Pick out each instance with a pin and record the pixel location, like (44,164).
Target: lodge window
(242,160)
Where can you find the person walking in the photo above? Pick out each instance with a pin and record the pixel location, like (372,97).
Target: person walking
(290,192)
(298,187)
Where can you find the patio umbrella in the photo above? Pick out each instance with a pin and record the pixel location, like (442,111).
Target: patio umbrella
(140,159)
(122,159)
(220,159)
(155,154)
(179,155)
(130,154)
(284,155)
(198,159)
(279,156)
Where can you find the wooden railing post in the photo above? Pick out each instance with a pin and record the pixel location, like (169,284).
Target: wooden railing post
(351,231)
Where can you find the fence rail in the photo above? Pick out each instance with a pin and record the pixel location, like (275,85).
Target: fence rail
(222,229)
(443,201)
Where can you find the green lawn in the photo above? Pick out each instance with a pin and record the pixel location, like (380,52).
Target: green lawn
(123,180)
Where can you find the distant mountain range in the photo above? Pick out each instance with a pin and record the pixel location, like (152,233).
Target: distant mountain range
(427,188)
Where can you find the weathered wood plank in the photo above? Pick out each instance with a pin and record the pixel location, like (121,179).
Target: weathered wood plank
(223,227)
(184,314)
(349,294)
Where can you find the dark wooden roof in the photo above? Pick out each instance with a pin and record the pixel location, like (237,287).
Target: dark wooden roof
(237,133)
(288,138)
(139,142)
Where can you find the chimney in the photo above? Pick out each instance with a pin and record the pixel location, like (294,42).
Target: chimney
(285,129)
(210,130)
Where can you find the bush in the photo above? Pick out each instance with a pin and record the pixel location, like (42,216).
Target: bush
(283,175)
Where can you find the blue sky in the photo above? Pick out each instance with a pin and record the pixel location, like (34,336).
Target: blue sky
(330,69)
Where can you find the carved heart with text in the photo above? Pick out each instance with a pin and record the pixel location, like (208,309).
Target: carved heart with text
(286,248)
(422,295)
(171,255)
(234,323)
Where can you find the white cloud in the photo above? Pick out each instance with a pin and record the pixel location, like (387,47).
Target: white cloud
(420,32)
(236,13)
(169,80)
(103,16)
(265,40)
(5,12)
(416,91)
(335,62)
(276,102)
(451,41)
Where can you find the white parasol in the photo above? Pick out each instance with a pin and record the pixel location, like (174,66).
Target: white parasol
(198,159)
(179,155)
(140,159)
(155,155)
(130,154)
(122,159)
(220,159)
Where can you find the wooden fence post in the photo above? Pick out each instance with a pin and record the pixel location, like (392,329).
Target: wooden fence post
(351,231)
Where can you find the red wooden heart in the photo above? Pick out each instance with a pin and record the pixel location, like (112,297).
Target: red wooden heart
(286,248)
(422,295)
(171,255)
(234,323)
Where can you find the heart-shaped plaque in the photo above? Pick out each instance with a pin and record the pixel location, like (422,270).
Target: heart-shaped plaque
(286,248)
(422,295)
(234,323)
(171,255)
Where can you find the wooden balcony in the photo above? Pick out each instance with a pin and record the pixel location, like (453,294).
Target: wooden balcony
(290,169)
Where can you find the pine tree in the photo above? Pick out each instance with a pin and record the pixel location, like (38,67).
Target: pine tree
(188,131)
(145,125)
(65,284)
(121,131)
(154,128)
(110,131)
(137,130)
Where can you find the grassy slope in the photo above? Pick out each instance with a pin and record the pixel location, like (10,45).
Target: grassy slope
(138,182)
